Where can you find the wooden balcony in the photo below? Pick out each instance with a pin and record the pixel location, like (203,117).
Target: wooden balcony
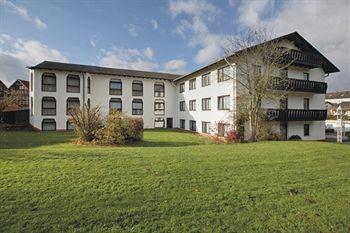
(291,84)
(304,59)
(296,115)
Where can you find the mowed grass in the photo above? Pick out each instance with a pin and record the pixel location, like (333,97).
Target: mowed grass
(172,182)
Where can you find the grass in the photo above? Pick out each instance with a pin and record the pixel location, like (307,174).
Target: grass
(172,182)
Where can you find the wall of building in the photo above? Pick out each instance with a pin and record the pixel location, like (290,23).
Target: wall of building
(99,97)
(213,91)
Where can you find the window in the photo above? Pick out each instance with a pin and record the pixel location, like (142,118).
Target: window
(306,130)
(115,104)
(48,106)
(88,103)
(137,88)
(192,83)
(256,70)
(31,81)
(224,74)
(223,129)
(206,104)
(306,103)
(205,127)
(48,82)
(192,105)
(73,83)
(159,122)
(88,86)
(115,87)
(182,123)
(31,106)
(205,79)
(284,73)
(306,76)
(48,125)
(182,87)
(159,90)
(69,126)
(72,103)
(182,105)
(159,107)
(224,102)
(137,107)
(193,125)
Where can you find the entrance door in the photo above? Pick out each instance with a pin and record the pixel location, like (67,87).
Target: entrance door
(169,123)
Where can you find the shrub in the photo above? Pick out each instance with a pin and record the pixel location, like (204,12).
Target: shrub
(232,136)
(87,122)
(294,138)
(133,128)
(275,137)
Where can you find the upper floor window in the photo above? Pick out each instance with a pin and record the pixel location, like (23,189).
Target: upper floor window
(72,103)
(192,84)
(48,106)
(48,125)
(31,81)
(115,104)
(224,102)
(48,82)
(205,79)
(306,103)
(182,105)
(223,74)
(137,107)
(206,104)
(159,89)
(115,87)
(137,88)
(73,83)
(306,76)
(88,85)
(159,107)
(192,106)
(182,87)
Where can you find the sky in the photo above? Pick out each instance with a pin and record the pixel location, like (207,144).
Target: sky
(176,36)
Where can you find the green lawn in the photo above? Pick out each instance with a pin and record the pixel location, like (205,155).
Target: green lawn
(172,182)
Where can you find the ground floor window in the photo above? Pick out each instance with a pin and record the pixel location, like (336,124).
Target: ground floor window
(48,125)
(69,126)
(193,125)
(223,129)
(182,123)
(205,127)
(306,130)
(159,122)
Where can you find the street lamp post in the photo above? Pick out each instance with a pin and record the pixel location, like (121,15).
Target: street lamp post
(340,125)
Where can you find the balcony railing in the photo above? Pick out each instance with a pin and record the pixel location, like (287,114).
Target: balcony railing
(291,84)
(304,59)
(296,115)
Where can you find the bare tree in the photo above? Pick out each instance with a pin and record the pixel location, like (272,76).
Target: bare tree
(258,62)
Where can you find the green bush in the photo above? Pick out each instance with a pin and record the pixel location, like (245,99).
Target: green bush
(294,138)
(133,128)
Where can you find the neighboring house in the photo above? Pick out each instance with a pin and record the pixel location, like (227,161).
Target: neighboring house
(201,101)
(21,89)
(3,89)
(333,101)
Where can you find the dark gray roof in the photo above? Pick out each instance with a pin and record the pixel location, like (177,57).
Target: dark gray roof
(299,41)
(338,95)
(48,65)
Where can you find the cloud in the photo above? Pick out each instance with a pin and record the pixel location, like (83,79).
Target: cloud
(133,29)
(193,26)
(175,65)
(21,53)
(128,59)
(93,43)
(326,26)
(154,24)
(250,11)
(23,12)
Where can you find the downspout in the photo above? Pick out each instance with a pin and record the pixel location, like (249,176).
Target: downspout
(83,88)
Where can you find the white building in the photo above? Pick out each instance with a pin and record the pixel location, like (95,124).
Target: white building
(202,101)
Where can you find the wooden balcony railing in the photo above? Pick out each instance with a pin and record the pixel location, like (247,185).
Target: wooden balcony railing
(291,84)
(304,59)
(296,115)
